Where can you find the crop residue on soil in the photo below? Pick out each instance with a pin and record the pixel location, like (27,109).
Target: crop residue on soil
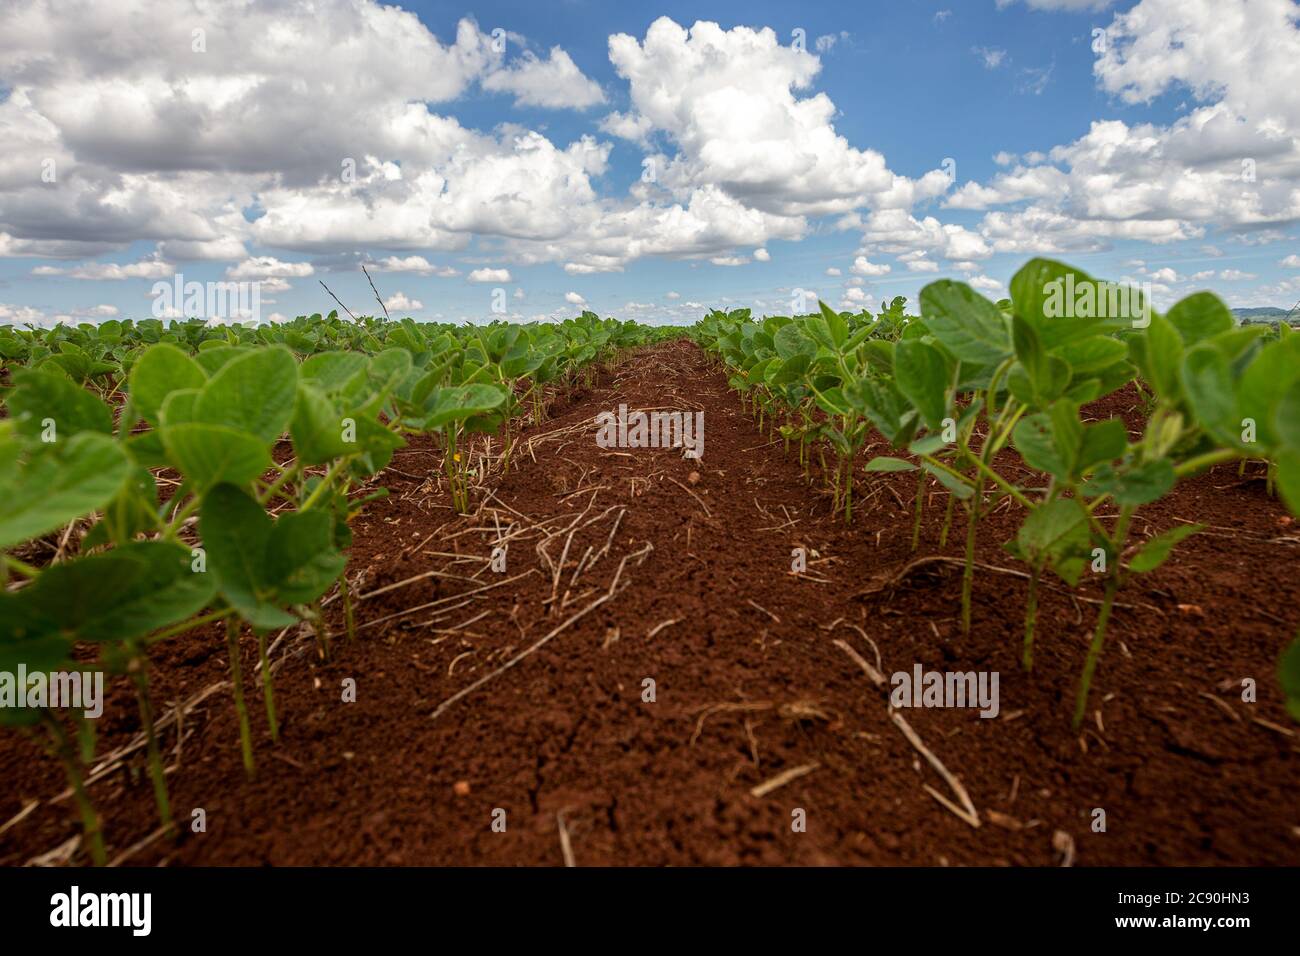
(625,566)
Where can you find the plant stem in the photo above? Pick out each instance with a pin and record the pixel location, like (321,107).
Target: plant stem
(189,625)
(1210,458)
(947,520)
(1117,542)
(175,525)
(237,681)
(91,833)
(848,491)
(1031,614)
(1094,651)
(920,496)
(346,590)
(324,485)
(274,487)
(140,677)
(968,572)
(1002,483)
(268,687)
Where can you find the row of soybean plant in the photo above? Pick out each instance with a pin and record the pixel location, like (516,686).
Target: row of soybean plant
(213,472)
(986,399)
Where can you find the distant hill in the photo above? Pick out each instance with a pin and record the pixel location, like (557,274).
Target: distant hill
(1268,315)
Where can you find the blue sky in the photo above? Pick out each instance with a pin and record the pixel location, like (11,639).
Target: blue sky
(231,175)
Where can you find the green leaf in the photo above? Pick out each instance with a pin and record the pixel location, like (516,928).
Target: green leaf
(260,567)
(301,562)
(210,454)
(178,407)
(236,532)
(968,325)
(1272,373)
(1093,354)
(885,463)
(839,329)
(462,401)
(1288,478)
(254,392)
(213,359)
(1207,381)
(1101,443)
(1065,304)
(790,340)
(928,445)
(374,448)
(832,401)
(1033,438)
(959,488)
(1067,433)
(39,397)
(161,370)
(388,368)
(1200,316)
(791,370)
(124,593)
(1158,353)
(1135,486)
(317,428)
(1057,532)
(520,361)
(922,376)
(330,371)
(59,483)
(1155,552)
(1029,350)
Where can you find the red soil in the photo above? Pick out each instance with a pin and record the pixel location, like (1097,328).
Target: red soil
(749,680)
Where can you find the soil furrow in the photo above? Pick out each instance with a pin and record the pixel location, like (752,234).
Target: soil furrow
(747,680)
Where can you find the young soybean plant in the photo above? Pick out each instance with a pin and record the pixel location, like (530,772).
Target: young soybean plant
(950,366)
(452,399)
(217,430)
(1207,379)
(120,599)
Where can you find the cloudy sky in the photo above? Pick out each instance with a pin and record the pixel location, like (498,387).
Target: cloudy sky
(644,160)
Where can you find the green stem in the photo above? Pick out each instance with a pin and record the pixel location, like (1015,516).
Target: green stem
(1094,650)
(325,484)
(1031,615)
(920,496)
(274,487)
(1117,542)
(174,526)
(947,521)
(268,687)
(140,677)
(1210,458)
(848,491)
(968,572)
(189,625)
(92,835)
(1002,483)
(237,681)
(321,631)
(346,590)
